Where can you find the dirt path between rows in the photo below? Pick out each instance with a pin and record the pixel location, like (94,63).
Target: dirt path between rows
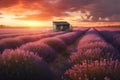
(72,49)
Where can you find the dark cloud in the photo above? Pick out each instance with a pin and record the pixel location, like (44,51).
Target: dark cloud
(97,8)
(74,5)
(115,18)
(106,9)
(8,3)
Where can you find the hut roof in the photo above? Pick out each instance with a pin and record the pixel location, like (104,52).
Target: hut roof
(60,23)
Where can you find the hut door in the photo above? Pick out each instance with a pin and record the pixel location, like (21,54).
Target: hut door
(62,28)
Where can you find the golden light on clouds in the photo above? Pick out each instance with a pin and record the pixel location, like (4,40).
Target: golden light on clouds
(43,12)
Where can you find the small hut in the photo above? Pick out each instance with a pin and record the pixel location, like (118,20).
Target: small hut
(61,26)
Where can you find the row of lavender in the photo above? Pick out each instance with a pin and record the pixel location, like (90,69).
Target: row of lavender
(28,62)
(95,60)
(12,43)
(112,37)
(13,32)
(23,30)
(12,35)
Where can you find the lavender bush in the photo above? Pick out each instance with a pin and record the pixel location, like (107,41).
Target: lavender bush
(22,65)
(94,70)
(57,44)
(9,43)
(43,50)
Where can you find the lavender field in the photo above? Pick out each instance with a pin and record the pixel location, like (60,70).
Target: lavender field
(42,54)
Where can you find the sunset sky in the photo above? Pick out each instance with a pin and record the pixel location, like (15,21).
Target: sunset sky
(43,12)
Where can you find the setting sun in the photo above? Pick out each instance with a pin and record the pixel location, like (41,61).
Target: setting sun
(33,23)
